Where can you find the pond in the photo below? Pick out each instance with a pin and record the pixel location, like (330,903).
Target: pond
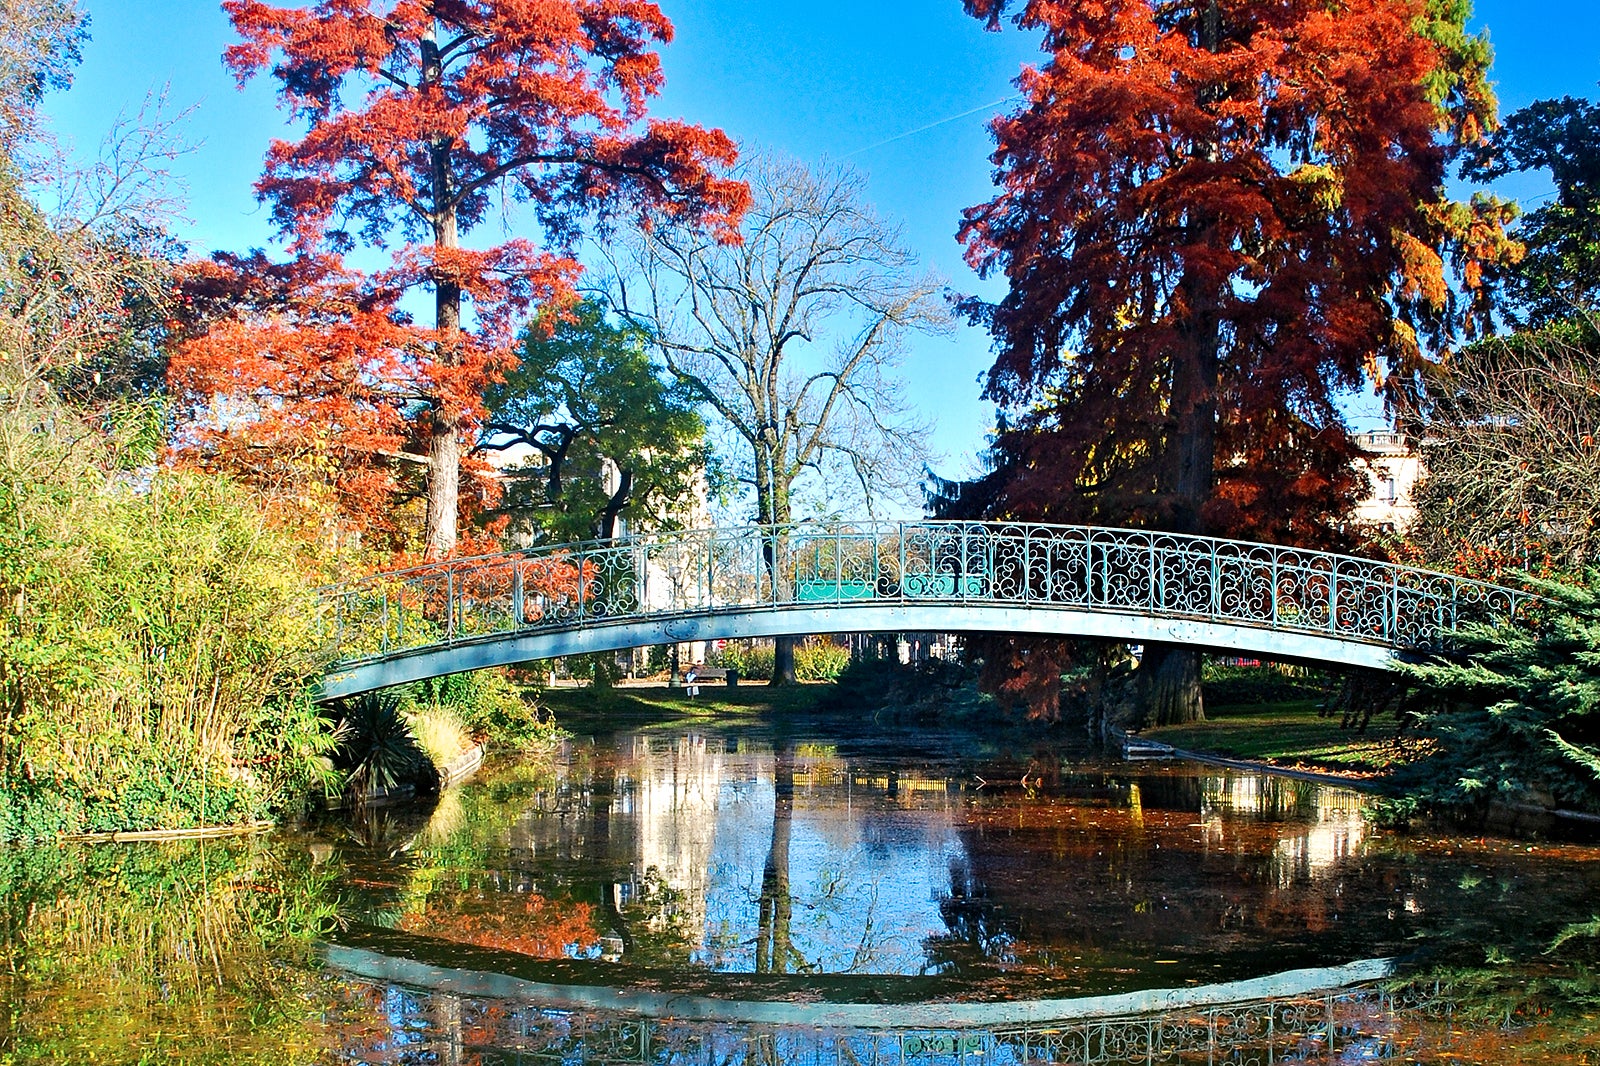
(760,897)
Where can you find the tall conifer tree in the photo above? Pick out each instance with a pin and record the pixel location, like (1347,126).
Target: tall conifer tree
(421,114)
(1214,217)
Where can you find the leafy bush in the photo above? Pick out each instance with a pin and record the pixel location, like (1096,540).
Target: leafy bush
(753,661)
(820,661)
(489,705)
(157,640)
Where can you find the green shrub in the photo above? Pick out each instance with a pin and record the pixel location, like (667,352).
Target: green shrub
(491,707)
(752,660)
(157,640)
(820,661)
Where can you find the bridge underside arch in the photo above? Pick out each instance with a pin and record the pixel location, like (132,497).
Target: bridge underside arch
(507,649)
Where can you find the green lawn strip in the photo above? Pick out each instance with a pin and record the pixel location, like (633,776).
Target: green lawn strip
(653,704)
(1290,733)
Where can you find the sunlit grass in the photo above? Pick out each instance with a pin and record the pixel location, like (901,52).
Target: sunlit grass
(651,703)
(1291,733)
(440,733)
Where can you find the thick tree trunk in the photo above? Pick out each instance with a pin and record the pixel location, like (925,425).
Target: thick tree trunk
(783,660)
(772,504)
(1170,685)
(444,444)
(444,486)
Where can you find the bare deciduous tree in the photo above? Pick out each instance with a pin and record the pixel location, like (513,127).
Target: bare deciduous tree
(85,252)
(1512,451)
(793,337)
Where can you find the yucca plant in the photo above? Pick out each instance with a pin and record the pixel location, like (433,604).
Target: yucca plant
(377,749)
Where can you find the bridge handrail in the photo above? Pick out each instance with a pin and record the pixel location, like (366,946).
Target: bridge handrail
(1096,568)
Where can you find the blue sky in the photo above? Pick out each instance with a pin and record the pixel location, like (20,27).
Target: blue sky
(841,79)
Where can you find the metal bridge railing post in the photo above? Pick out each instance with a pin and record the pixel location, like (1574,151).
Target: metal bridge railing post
(1393,635)
(517,615)
(1276,574)
(902,581)
(838,564)
(1214,607)
(582,590)
(1027,565)
(1333,595)
(383,644)
(449,603)
(1154,584)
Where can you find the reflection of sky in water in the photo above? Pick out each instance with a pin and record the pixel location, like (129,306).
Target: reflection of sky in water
(864,876)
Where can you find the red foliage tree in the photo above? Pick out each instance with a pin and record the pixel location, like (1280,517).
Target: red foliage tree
(420,114)
(1215,216)
(304,377)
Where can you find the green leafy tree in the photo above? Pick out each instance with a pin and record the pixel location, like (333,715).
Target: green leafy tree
(1560,274)
(612,441)
(1515,711)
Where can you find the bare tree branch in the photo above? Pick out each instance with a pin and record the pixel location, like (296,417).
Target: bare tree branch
(794,336)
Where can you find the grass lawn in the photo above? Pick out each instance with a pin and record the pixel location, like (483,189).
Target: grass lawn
(634,705)
(1289,734)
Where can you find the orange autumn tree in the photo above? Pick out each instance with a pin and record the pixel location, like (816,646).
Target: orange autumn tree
(421,116)
(1216,216)
(303,377)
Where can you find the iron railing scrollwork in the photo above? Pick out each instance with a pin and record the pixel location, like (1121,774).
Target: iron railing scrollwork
(819,564)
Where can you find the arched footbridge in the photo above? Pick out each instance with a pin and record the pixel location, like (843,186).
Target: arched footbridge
(1136,586)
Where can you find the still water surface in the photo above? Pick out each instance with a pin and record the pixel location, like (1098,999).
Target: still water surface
(746,898)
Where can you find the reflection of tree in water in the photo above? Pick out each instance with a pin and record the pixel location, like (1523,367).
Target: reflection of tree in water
(979,928)
(775,951)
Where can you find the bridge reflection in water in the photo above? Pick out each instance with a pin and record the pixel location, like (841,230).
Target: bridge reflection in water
(1361,1024)
(764,581)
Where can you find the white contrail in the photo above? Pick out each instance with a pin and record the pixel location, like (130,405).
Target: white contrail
(932,125)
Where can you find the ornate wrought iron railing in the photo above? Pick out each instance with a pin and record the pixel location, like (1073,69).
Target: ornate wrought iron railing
(809,565)
(1361,1024)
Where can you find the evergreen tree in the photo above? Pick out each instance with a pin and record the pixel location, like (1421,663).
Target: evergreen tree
(1514,711)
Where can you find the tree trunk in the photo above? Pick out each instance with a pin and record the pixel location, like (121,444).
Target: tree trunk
(444,486)
(783,660)
(444,443)
(1170,686)
(772,505)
